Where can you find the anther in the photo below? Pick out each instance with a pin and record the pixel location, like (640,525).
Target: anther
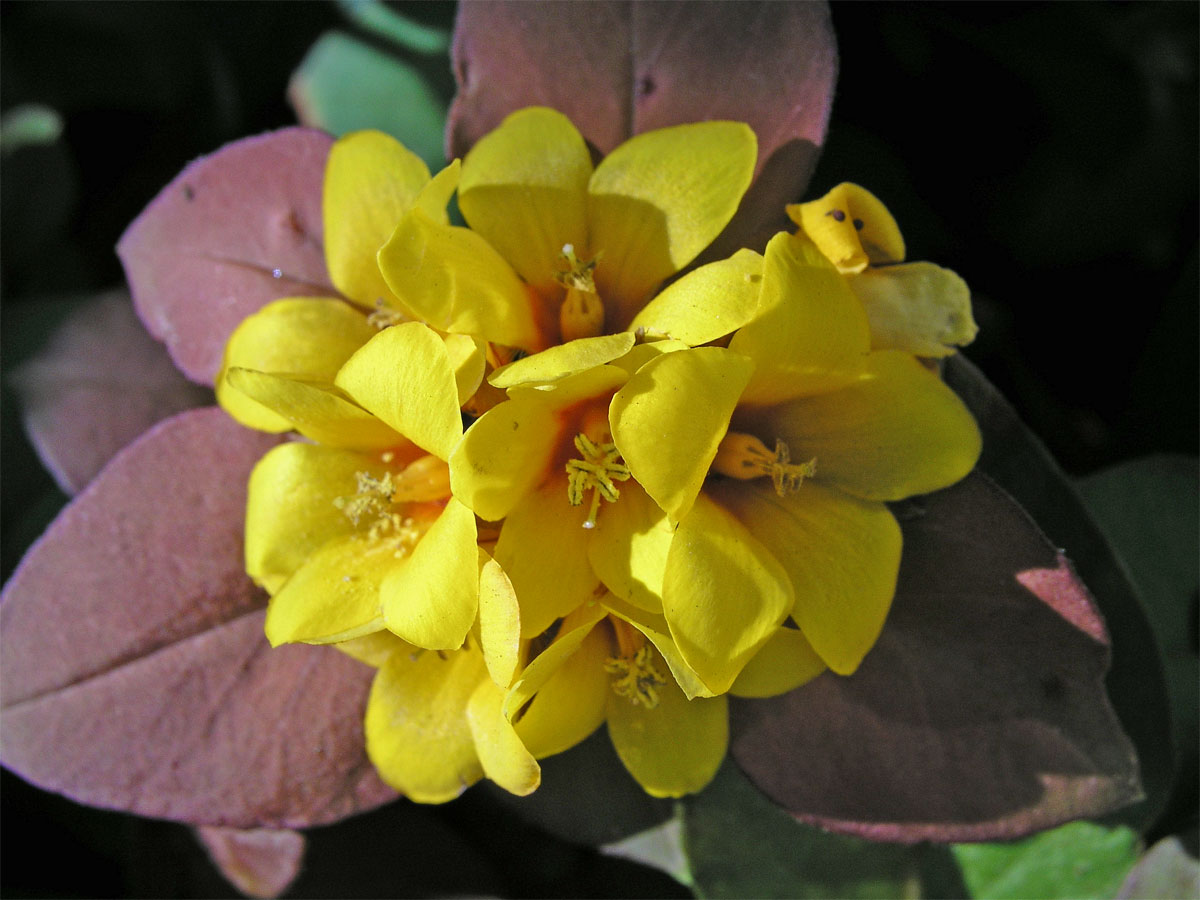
(744,456)
(384,316)
(598,470)
(582,311)
(638,677)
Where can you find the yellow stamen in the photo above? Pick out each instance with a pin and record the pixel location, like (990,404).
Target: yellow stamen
(582,311)
(384,316)
(600,467)
(744,456)
(639,678)
(378,502)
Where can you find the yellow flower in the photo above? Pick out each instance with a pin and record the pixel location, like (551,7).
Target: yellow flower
(357,536)
(664,499)
(918,307)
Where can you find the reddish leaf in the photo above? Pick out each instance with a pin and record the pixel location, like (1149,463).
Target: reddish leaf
(133,669)
(204,254)
(979,715)
(259,862)
(618,69)
(99,383)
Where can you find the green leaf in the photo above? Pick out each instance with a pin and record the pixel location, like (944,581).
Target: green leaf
(739,844)
(1079,860)
(660,847)
(1147,508)
(346,85)
(373,15)
(29,123)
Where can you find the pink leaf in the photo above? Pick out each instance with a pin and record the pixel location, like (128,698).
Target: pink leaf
(133,669)
(259,862)
(980,714)
(618,69)
(232,232)
(99,383)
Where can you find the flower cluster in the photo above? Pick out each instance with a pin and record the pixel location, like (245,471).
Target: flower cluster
(541,492)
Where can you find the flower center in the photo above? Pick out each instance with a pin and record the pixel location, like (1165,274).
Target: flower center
(598,471)
(582,311)
(744,456)
(390,506)
(638,678)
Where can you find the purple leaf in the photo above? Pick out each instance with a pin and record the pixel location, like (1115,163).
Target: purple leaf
(259,862)
(981,712)
(1019,463)
(618,69)
(133,669)
(99,383)
(233,231)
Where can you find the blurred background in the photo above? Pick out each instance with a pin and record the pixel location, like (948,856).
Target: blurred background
(1047,153)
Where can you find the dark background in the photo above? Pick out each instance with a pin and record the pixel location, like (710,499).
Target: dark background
(1047,153)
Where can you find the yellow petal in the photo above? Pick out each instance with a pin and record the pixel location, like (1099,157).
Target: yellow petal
(416,725)
(708,303)
(658,200)
(524,188)
(562,360)
(453,279)
(435,196)
(674,748)
(508,450)
(334,596)
(654,626)
(375,648)
(897,433)
(543,548)
(572,631)
(309,337)
(841,554)
(918,307)
(852,228)
(570,704)
(811,334)
(628,549)
(783,663)
(404,376)
(467,360)
(724,594)
(499,621)
(670,417)
(317,410)
(370,182)
(504,454)
(501,752)
(643,353)
(290,511)
(431,599)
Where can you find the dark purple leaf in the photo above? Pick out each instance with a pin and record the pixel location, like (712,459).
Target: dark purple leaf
(99,383)
(618,69)
(259,862)
(981,712)
(133,669)
(1016,460)
(233,231)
